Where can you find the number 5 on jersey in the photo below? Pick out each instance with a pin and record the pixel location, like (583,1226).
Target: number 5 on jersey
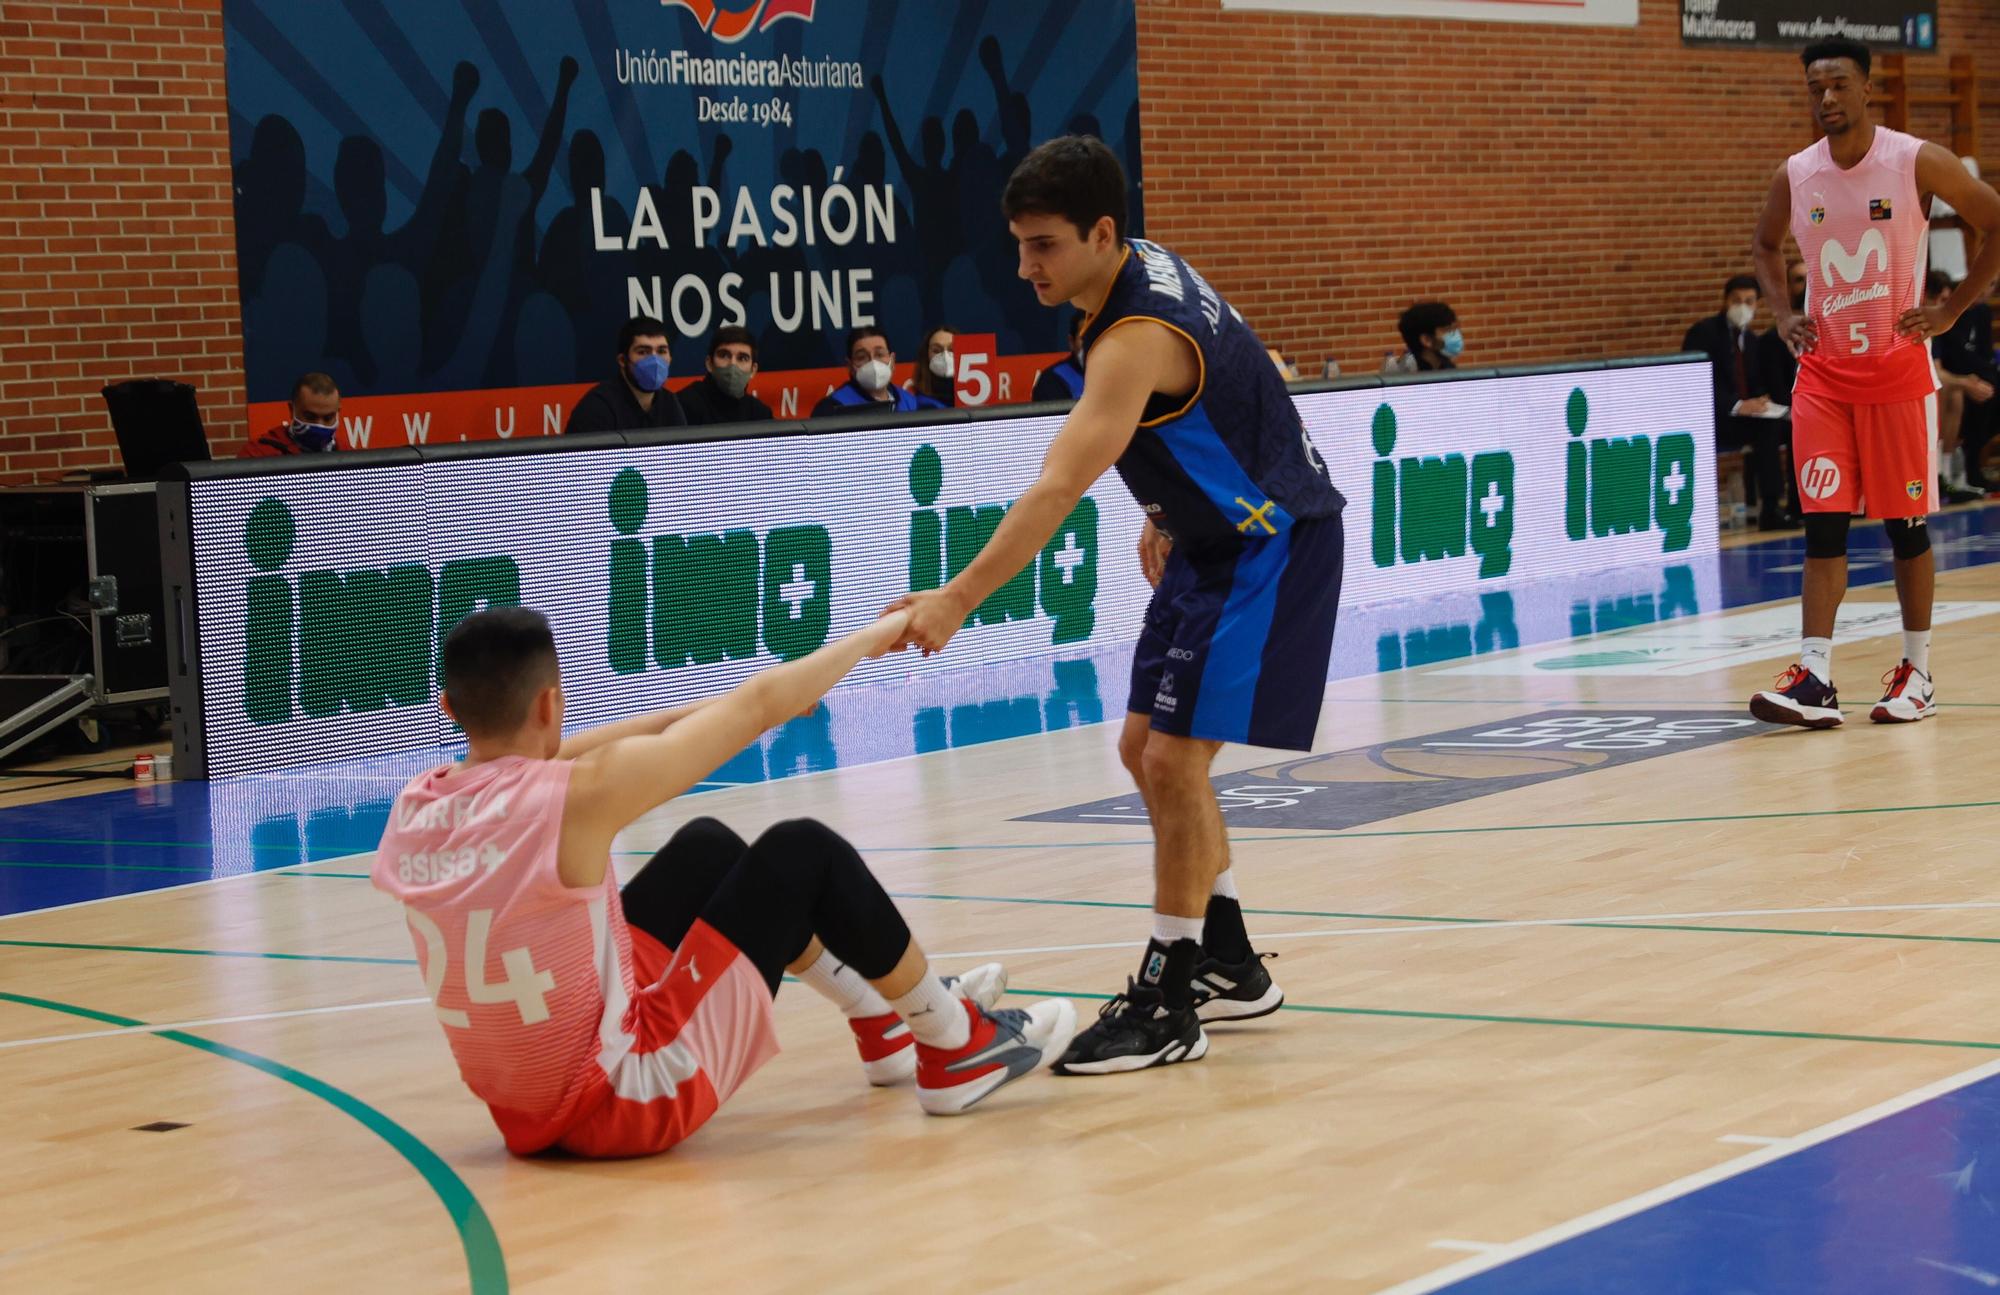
(525,987)
(1857,338)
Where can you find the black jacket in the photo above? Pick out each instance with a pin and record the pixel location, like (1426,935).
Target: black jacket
(1716,338)
(705,403)
(610,406)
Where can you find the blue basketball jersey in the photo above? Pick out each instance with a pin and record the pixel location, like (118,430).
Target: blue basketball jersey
(1231,459)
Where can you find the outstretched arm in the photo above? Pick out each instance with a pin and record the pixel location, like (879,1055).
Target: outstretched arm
(1799,331)
(907,163)
(626,775)
(651,724)
(552,130)
(1125,364)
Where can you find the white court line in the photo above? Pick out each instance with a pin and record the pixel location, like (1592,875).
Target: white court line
(1410,928)
(1680,1187)
(183,885)
(214,1020)
(1469,1247)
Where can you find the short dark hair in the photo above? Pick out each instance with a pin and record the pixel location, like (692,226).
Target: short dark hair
(1424,317)
(1936,283)
(317,383)
(1838,47)
(495,661)
(856,334)
(1076,177)
(1738,282)
(640,326)
(733,335)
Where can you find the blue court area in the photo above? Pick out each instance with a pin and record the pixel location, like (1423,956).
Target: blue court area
(1907,1204)
(149,837)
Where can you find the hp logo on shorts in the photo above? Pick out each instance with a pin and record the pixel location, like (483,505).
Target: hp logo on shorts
(1819,478)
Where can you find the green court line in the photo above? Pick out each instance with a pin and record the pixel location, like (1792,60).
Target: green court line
(105,867)
(1336,835)
(206,953)
(1579,1023)
(485,1263)
(1482,921)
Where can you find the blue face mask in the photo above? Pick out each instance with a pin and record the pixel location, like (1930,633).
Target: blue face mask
(649,373)
(314,436)
(1451,344)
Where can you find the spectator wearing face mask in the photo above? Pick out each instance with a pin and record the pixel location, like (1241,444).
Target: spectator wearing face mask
(936,377)
(1743,407)
(638,397)
(1063,380)
(871,384)
(723,394)
(314,424)
(1432,340)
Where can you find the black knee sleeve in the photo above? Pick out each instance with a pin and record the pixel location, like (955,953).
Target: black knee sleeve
(1908,537)
(666,895)
(802,879)
(1826,535)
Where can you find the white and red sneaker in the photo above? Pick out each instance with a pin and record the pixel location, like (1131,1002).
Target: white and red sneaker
(885,1043)
(1005,1045)
(1909,697)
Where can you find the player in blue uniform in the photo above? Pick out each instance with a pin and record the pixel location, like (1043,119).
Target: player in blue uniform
(1242,543)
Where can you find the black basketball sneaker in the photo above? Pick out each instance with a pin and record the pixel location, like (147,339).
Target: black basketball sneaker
(1801,698)
(1133,1031)
(1235,991)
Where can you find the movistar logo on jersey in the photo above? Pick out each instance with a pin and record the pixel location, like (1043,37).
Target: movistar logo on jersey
(1062,581)
(1427,509)
(700,599)
(1835,259)
(1618,485)
(364,639)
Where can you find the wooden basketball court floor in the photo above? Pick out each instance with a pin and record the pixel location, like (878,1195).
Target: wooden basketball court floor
(1716,1019)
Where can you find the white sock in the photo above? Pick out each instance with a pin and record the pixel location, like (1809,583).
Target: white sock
(1225,885)
(1954,469)
(1167,928)
(1816,655)
(1917,650)
(934,1014)
(844,987)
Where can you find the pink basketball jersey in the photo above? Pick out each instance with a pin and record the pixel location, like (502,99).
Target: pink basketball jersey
(532,979)
(1865,238)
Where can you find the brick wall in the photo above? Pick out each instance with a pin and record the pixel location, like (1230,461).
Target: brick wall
(116,253)
(1572,192)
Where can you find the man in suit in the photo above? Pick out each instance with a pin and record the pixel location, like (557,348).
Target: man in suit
(1742,404)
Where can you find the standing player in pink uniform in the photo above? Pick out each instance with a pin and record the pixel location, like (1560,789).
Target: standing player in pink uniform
(1864,411)
(614,1024)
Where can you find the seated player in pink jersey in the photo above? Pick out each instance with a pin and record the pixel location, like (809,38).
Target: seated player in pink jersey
(611,1024)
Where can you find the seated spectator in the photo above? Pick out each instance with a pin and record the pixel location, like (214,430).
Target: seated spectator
(723,394)
(1432,340)
(1964,398)
(871,385)
(1063,380)
(314,425)
(937,375)
(1746,418)
(638,397)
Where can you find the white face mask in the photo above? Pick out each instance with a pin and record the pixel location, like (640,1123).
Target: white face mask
(1741,314)
(873,376)
(942,364)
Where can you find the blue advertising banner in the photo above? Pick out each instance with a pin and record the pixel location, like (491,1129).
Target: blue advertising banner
(455,198)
